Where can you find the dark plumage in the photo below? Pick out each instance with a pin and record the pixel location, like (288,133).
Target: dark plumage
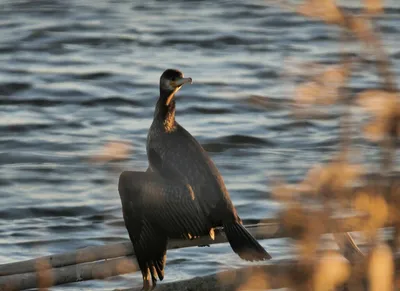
(182,194)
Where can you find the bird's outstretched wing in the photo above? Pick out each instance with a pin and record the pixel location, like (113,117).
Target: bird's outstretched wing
(168,205)
(154,209)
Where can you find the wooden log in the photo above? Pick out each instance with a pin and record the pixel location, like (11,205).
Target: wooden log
(266,229)
(260,277)
(288,274)
(79,256)
(75,273)
(90,254)
(119,266)
(43,274)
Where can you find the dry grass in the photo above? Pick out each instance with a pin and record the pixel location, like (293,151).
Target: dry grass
(334,187)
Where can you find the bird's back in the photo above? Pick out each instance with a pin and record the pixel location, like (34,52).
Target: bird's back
(178,155)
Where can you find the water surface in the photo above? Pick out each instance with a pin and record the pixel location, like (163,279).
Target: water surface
(77,74)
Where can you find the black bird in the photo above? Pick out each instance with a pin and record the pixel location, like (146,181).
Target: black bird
(181,195)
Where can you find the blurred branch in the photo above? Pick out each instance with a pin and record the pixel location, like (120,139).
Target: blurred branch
(347,245)
(344,98)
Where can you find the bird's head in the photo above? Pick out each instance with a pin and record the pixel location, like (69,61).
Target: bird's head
(170,82)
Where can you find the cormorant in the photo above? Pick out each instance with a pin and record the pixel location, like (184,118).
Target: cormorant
(181,195)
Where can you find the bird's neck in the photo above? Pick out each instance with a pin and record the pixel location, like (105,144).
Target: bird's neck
(166,112)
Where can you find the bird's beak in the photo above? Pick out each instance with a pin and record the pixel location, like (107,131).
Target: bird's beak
(181,82)
(177,85)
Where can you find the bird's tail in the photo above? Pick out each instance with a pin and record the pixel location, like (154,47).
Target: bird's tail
(243,243)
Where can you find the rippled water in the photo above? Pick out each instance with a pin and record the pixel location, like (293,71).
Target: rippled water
(76,74)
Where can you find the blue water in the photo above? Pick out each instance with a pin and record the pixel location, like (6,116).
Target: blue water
(77,74)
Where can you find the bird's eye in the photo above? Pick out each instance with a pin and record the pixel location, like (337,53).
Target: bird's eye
(173,79)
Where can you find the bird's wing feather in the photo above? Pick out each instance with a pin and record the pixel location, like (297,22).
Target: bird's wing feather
(151,250)
(153,209)
(170,205)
